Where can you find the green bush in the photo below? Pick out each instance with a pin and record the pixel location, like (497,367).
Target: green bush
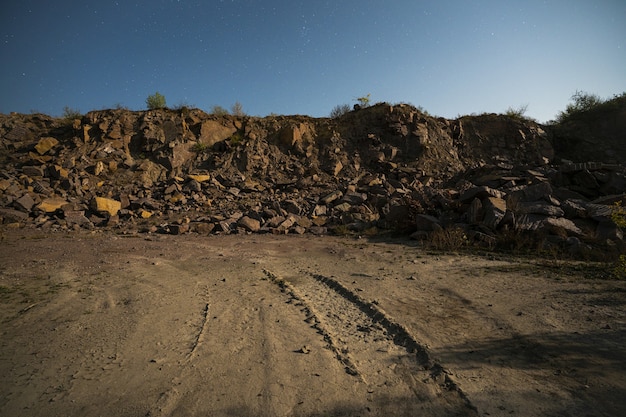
(581,102)
(219,111)
(237,109)
(364,101)
(618,215)
(517,113)
(71,114)
(339,110)
(155,101)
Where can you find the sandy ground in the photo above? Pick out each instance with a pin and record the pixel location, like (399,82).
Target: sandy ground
(106,325)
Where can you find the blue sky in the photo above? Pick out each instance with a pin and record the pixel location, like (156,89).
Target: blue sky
(304,57)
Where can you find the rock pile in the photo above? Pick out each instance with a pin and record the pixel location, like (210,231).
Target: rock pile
(383,167)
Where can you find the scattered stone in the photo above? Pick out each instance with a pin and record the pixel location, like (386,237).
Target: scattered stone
(249,224)
(106,205)
(45,144)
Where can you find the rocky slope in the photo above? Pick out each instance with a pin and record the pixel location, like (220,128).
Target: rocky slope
(383,167)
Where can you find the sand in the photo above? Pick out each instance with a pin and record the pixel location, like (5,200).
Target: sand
(99,324)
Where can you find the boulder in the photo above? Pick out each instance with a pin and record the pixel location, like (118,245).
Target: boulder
(249,224)
(212,132)
(106,205)
(52,204)
(45,144)
(562,227)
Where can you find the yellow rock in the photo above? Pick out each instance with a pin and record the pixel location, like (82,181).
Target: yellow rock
(199,177)
(45,144)
(52,204)
(145,214)
(106,205)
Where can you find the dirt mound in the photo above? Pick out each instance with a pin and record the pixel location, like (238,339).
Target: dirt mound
(382,167)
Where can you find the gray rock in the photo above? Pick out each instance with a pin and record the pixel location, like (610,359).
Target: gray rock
(562,227)
(540,207)
(249,224)
(424,222)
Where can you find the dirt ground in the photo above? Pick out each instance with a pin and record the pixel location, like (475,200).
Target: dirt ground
(110,325)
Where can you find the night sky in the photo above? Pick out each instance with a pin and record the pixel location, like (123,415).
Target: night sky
(305,57)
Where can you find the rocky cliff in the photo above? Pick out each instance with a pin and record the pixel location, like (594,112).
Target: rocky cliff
(382,167)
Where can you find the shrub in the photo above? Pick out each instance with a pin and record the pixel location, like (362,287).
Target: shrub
(618,215)
(452,238)
(199,147)
(237,109)
(517,113)
(581,102)
(155,101)
(219,111)
(364,101)
(339,110)
(71,114)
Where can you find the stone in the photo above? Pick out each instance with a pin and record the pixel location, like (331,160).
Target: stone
(480,192)
(249,224)
(212,132)
(329,198)
(291,206)
(573,209)
(318,230)
(586,179)
(178,229)
(475,212)
(58,172)
(199,177)
(425,222)
(533,192)
(354,198)
(106,205)
(45,144)
(12,216)
(540,207)
(25,203)
(562,227)
(319,210)
(52,204)
(77,217)
(33,171)
(494,209)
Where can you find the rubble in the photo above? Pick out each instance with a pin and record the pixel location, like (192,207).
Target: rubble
(379,168)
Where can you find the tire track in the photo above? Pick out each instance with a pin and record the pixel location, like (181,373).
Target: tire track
(371,345)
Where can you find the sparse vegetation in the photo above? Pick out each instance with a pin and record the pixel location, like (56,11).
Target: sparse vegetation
(183,107)
(236,139)
(364,101)
(70,114)
(339,110)
(583,102)
(452,238)
(618,215)
(219,111)
(237,109)
(155,101)
(517,113)
(199,147)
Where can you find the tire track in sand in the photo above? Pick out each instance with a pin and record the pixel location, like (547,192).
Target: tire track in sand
(370,345)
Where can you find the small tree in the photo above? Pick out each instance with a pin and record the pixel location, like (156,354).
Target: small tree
(219,111)
(237,109)
(155,101)
(581,102)
(339,110)
(364,101)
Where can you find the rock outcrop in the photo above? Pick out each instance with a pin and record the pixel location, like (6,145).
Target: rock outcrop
(382,167)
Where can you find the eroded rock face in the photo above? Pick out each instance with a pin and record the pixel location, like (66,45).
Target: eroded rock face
(380,167)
